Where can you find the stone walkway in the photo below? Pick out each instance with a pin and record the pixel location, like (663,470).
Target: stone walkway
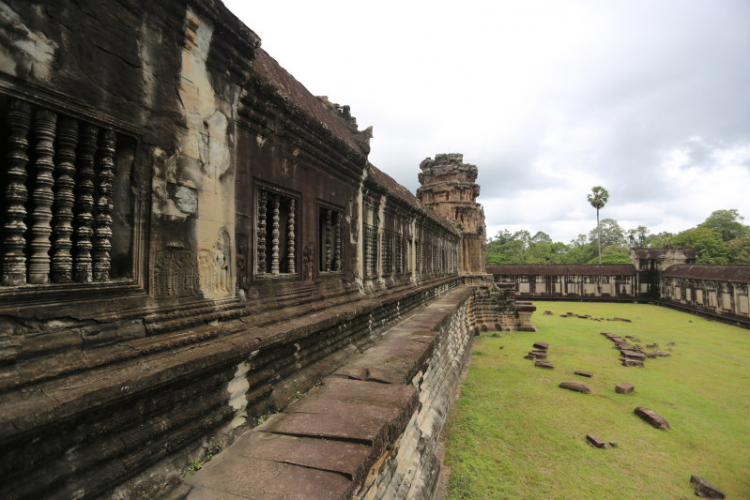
(322,446)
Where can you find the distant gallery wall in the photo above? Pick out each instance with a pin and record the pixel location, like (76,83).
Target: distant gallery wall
(667,276)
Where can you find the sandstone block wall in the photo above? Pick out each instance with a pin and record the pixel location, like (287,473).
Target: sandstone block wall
(410,470)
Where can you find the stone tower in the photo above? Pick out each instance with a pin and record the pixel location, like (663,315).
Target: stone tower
(449,188)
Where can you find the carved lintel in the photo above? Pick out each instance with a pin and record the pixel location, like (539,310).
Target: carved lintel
(104,206)
(62,260)
(84,205)
(44,131)
(16,195)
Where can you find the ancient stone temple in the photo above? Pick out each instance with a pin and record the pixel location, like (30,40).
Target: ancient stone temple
(195,252)
(449,187)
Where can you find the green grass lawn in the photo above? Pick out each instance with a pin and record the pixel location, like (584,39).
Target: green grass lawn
(515,434)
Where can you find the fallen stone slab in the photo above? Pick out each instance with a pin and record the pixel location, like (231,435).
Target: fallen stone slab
(651,355)
(541,345)
(633,355)
(705,488)
(632,362)
(661,354)
(652,346)
(543,363)
(624,388)
(538,355)
(583,374)
(652,418)
(595,441)
(529,356)
(575,386)
(548,313)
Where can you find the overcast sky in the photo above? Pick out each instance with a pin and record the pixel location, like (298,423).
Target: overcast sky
(648,98)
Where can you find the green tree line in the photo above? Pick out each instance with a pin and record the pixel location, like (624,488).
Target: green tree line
(721,239)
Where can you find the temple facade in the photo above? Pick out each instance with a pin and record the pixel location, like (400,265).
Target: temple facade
(191,240)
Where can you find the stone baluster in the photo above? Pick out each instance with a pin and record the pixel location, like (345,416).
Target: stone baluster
(104,206)
(337,243)
(84,204)
(16,195)
(328,238)
(262,214)
(45,122)
(290,234)
(275,233)
(62,260)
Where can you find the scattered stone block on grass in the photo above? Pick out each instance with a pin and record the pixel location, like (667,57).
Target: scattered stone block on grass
(541,345)
(633,355)
(583,374)
(624,388)
(652,418)
(661,354)
(575,386)
(705,488)
(632,362)
(612,444)
(529,356)
(595,441)
(548,313)
(543,363)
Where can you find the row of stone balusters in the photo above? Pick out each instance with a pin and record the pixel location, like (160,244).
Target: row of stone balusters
(276,207)
(332,241)
(68,203)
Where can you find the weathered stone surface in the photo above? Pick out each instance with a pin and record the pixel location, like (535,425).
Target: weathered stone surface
(543,363)
(705,488)
(624,388)
(633,355)
(583,374)
(575,386)
(595,441)
(632,362)
(652,418)
(541,345)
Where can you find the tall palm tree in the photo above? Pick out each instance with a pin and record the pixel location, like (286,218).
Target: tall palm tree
(598,198)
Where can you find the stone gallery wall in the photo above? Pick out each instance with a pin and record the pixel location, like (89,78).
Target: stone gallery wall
(189,239)
(569,282)
(715,291)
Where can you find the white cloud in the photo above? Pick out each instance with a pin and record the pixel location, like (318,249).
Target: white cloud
(548,98)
